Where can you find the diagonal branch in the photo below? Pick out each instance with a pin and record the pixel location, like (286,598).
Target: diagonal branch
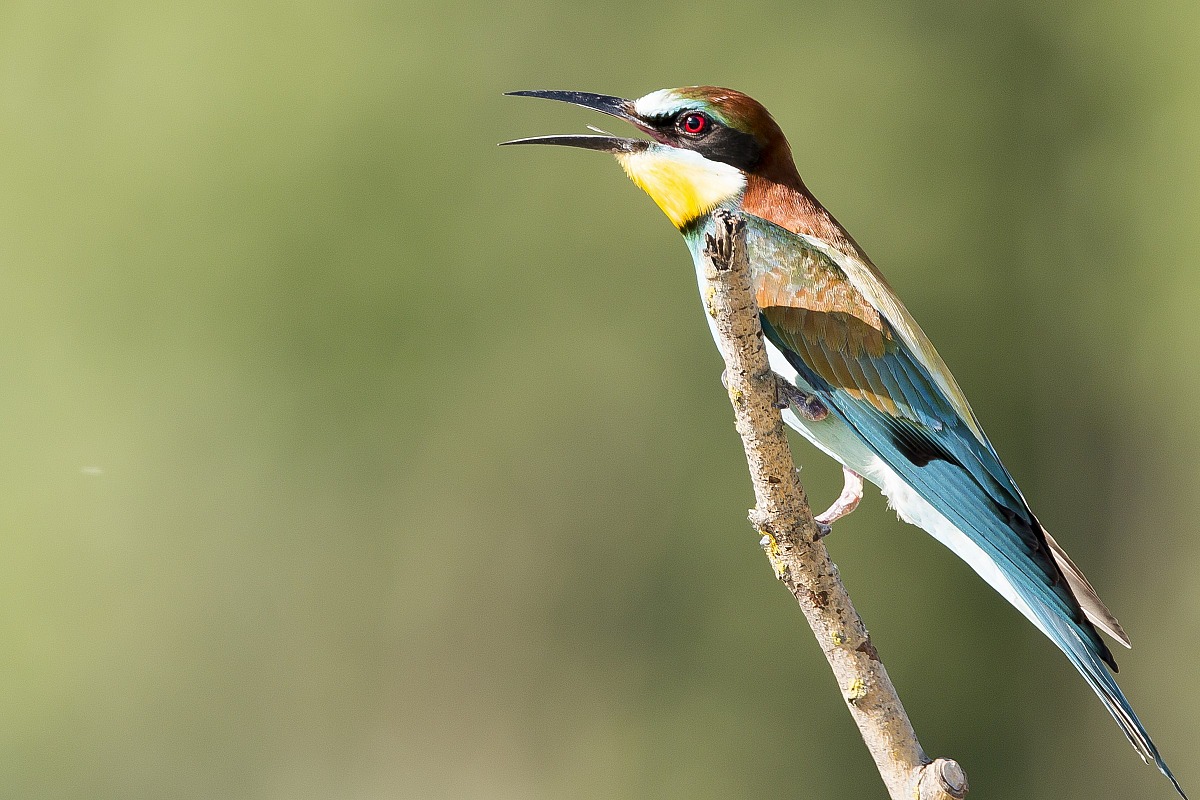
(790,536)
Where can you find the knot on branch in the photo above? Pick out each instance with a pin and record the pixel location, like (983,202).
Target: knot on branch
(944,779)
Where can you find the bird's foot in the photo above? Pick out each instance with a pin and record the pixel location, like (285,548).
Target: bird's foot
(847,501)
(808,406)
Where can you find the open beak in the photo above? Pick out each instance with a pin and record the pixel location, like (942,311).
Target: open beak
(607,104)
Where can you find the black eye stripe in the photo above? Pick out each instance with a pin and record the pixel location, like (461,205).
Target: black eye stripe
(715,140)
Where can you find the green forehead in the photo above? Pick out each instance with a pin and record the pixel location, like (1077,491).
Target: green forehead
(669,102)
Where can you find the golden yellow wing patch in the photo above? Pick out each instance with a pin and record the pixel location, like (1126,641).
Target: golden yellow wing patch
(839,347)
(828,322)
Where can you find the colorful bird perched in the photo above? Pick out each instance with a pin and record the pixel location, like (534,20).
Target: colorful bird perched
(863,383)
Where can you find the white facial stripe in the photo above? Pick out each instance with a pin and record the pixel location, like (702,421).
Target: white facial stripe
(664,102)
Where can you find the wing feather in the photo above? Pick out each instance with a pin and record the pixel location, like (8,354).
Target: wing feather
(856,345)
(883,379)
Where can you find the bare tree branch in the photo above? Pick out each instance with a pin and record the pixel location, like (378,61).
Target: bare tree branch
(791,539)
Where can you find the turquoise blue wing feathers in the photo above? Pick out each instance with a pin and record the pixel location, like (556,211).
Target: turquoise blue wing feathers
(881,383)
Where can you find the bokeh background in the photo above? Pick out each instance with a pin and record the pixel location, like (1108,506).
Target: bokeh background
(345,455)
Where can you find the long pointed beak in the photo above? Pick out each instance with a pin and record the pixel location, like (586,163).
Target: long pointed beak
(605,144)
(607,104)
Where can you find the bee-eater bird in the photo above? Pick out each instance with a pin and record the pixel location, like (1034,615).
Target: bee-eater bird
(869,388)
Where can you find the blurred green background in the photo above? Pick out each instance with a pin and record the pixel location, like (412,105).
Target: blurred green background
(348,456)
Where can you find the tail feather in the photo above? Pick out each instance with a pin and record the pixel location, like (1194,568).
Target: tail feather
(1066,636)
(1073,636)
(1093,607)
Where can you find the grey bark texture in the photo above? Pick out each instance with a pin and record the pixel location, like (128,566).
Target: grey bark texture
(790,536)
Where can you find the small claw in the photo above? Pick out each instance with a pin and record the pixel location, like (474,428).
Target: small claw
(823,530)
(806,405)
(847,501)
(725,379)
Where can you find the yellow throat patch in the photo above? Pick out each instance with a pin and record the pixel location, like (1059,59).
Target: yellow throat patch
(683,183)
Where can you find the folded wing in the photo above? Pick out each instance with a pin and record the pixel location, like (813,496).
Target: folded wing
(842,329)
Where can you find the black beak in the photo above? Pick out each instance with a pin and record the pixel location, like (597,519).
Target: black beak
(604,103)
(607,104)
(605,144)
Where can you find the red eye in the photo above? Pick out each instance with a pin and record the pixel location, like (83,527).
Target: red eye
(694,123)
